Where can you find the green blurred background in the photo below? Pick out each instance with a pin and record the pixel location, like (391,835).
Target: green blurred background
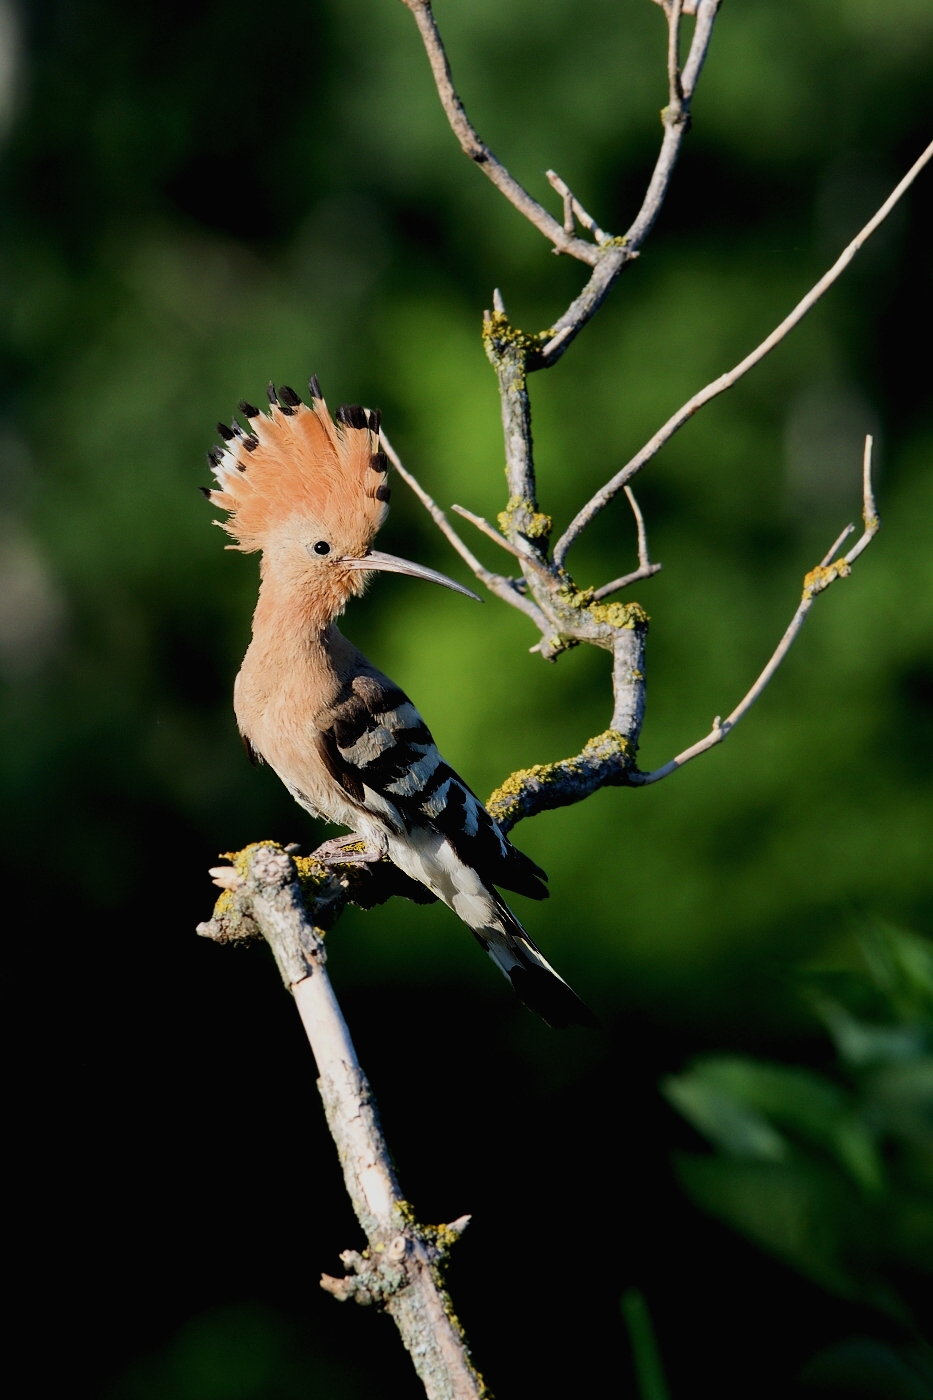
(200,197)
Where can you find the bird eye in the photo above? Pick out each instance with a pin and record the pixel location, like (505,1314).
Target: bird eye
(322,547)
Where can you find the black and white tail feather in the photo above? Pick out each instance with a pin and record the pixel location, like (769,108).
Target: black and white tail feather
(532,976)
(376,746)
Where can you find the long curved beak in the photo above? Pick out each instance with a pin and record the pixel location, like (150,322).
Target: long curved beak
(391,564)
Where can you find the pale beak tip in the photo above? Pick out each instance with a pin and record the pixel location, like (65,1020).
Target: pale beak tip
(391,564)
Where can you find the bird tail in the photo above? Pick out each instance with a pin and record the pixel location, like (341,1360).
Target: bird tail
(531,975)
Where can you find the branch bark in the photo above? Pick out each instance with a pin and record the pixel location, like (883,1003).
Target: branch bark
(478,151)
(620,252)
(566,615)
(608,255)
(732,376)
(815,583)
(400,1270)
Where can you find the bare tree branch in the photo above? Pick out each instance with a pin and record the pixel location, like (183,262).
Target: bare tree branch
(726,381)
(565,614)
(574,209)
(534,560)
(645,567)
(505,588)
(609,255)
(619,252)
(815,583)
(289,903)
(477,149)
(401,1269)
(674,12)
(609,759)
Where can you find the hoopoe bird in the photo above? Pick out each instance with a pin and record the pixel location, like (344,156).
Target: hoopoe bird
(309,491)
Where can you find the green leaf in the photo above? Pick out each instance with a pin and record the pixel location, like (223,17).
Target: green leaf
(804,1214)
(720,1117)
(749,1109)
(899,1098)
(872,1370)
(649,1372)
(863,1043)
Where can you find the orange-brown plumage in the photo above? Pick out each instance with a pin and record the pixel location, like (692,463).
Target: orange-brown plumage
(300,462)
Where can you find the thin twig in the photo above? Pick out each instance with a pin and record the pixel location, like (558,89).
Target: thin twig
(832,552)
(575,207)
(502,587)
(675,91)
(870,518)
(706,13)
(524,555)
(643,557)
(620,252)
(635,576)
(645,567)
(608,256)
(815,583)
(477,149)
(726,381)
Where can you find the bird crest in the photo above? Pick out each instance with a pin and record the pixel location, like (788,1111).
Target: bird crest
(299,462)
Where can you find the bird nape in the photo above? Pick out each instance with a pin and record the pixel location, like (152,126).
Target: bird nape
(309,491)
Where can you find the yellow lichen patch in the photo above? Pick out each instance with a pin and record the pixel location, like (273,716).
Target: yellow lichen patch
(498,331)
(533,525)
(505,803)
(619,614)
(224,906)
(616,615)
(310,871)
(822,576)
(241,859)
(611,740)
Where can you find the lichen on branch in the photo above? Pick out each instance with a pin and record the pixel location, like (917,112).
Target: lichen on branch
(604,761)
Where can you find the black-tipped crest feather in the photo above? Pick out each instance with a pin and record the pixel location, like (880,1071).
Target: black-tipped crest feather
(352,414)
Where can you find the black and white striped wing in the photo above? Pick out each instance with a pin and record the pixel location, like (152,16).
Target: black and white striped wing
(377,740)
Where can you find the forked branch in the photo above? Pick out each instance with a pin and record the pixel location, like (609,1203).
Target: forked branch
(268,895)
(815,583)
(565,614)
(732,376)
(508,589)
(477,149)
(645,567)
(610,758)
(676,120)
(608,255)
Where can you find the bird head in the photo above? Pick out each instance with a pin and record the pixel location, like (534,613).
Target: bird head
(310,492)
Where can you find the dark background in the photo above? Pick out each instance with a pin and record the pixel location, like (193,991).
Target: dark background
(199,197)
